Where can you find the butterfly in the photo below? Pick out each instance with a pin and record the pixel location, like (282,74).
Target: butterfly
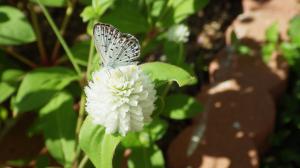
(115,48)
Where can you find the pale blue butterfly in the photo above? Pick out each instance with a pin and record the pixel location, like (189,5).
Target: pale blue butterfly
(116,48)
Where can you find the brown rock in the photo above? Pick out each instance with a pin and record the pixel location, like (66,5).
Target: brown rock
(251,71)
(248,110)
(220,148)
(259,15)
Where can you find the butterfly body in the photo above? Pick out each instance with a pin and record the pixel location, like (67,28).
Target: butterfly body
(116,48)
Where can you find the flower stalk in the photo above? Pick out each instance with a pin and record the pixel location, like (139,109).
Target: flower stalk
(60,38)
(65,22)
(40,44)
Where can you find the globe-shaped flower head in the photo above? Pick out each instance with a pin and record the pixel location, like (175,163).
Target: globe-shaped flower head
(178,33)
(120,99)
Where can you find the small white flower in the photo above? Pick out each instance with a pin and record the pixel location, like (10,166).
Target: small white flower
(178,33)
(120,99)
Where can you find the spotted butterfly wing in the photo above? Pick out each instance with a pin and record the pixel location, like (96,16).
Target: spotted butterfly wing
(116,48)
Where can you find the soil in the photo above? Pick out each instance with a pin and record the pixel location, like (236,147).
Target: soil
(18,144)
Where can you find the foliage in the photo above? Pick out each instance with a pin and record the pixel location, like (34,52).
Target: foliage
(272,39)
(237,46)
(284,150)
(15,29)
(52,87)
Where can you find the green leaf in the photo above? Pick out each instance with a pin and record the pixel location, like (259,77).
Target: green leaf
(180,106)
(291,53)
(267,51)
(131,140)
(157,7)
(172,51)
(178,10)
(272,33)
(86,2)
(42,162)
(81,52)
(185,8)
(244,50)
(18,162)
(6,90)
(52,3)
(3,114)
(234,39)
(11,75)
(157,128)
(14,27)
(151,133)
(96,10)
(40,85)
(9,79)
(101,6)
(151,157)
(88,14)
(133,19)
(166,72)
(97,145)
(58,123)
(293,30)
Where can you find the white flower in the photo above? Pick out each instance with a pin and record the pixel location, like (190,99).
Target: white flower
(120,99)
(178,33)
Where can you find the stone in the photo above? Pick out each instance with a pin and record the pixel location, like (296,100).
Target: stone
(219,148)
(249,110)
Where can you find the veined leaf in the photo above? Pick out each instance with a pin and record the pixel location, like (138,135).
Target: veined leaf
(166,72)
(151,157)
(97,145)
(14,27)
(58,123)
(38,87)
(180,106)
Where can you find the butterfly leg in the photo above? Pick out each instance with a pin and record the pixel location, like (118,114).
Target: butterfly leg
(122,73)
(120,70)
(108,73)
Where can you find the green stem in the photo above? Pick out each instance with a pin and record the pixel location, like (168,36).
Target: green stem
(18,56)
(163,97)
(90,59)
(60,38)
(66,20)
(83,99)
(166,90)
(165,9)
(81,113)
(39,36)
(83,161)
(78,126)
(180,58)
